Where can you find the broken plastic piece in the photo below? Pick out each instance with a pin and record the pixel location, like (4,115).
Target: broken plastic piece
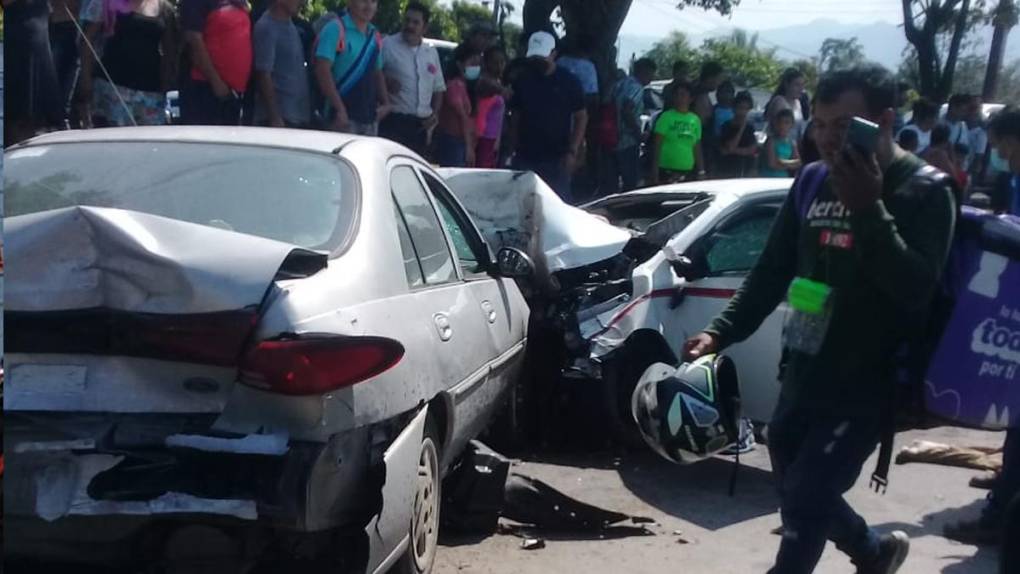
(264,444)
(532,544)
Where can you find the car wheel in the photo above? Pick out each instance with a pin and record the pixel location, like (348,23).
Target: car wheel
(620,377)
(424,529)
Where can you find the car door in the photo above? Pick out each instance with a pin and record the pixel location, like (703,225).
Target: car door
(498,304)
(441,297)
(727,253)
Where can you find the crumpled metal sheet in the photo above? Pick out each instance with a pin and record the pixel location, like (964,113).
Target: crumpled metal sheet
(90,257)
(61,489)
(517,209)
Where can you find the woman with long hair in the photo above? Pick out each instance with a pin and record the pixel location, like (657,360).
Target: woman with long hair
(788,97)
(139,54)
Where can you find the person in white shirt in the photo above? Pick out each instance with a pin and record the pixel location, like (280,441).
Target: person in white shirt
(956,120)
(923,121)
(414,75)
(977,139)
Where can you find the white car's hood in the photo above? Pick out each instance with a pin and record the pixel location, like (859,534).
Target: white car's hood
(518,209)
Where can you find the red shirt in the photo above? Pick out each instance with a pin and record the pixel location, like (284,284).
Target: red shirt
(455,100)
(227,35)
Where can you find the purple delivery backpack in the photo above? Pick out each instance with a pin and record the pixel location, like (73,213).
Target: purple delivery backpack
(973,378)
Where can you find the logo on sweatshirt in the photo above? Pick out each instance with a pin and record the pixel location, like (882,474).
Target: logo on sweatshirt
(997,341)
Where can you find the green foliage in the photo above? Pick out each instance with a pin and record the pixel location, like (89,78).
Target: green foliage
(672,49)
(747,64)
(466,14)
(840,54)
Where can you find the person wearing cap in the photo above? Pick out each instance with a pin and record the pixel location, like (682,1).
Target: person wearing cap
(548,117)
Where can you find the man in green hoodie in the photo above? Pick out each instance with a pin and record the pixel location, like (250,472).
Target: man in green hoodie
(869,241)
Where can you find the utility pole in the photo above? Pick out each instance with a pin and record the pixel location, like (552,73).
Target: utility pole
(1004,20)
(496,8)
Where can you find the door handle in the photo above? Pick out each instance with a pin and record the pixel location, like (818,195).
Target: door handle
(442,322)
(490,311)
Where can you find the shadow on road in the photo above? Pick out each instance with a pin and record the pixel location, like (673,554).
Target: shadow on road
(985,560)
(699,493)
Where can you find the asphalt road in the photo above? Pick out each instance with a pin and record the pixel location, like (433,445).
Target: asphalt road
(729,535)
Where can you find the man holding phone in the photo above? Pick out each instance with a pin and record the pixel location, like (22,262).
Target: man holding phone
(857,250)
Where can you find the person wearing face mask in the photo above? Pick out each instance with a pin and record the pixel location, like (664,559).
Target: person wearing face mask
(858,249)
(455,137)
(414,77)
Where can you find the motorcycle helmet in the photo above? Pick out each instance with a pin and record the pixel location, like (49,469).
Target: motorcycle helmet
(690,412)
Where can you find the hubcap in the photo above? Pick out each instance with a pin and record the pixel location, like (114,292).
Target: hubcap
(425,521)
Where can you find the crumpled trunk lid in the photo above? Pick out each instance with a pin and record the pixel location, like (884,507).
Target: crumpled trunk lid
(117,311)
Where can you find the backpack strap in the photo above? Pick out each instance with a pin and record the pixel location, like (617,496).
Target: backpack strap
(808,185)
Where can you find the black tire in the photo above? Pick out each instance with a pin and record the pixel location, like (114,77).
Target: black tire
(424,527)
(620,377)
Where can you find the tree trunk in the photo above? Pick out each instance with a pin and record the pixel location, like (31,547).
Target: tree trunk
(1004,20)
(949,68)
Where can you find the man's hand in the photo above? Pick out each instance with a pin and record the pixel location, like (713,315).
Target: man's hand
(341,122)
(700,345)
(277,122)
(469,157)
(430,122)
(382,111)
(220,88)
(856,179)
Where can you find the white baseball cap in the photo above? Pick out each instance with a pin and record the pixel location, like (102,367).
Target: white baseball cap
(541,45)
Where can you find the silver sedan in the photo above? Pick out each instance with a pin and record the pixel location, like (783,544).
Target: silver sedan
(242,343)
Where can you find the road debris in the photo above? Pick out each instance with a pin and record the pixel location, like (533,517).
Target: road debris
(532,544)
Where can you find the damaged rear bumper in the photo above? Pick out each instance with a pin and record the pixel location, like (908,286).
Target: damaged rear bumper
(102,489)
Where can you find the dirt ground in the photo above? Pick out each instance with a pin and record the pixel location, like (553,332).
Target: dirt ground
(726,534)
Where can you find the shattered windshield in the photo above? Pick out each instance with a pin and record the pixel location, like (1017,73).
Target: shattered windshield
(295,197)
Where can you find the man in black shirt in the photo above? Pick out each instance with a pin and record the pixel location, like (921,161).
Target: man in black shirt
(548,118)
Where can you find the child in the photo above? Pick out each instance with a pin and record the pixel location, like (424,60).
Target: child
(738,145)
(941,154)
(725,102)
(781,155)
(491,108)
(909,140)
(677,152)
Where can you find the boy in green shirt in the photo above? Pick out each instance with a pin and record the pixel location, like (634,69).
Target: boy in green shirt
(677,156)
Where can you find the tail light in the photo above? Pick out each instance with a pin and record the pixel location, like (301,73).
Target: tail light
(319,364)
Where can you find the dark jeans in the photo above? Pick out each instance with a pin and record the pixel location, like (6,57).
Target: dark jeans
(628,165)
(816,458)
(201,107)
(552,173)
(1007,485)
(451,151)
(405,129)
(64,45)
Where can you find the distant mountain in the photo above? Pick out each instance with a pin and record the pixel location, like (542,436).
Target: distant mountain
(883,42)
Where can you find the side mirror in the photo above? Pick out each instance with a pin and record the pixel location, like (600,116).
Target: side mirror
(689,269)
(514,263)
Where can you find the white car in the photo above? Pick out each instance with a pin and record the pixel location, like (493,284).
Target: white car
(711,237)
(608,273)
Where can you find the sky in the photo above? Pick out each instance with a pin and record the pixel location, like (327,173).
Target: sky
(660,17)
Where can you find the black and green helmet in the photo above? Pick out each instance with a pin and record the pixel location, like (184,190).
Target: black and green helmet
(690,412)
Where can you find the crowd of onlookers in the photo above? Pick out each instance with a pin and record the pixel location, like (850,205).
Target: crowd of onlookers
(97,63)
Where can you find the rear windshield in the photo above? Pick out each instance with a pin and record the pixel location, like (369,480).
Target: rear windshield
(301,198)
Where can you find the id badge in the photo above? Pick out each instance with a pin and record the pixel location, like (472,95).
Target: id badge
(808,323)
